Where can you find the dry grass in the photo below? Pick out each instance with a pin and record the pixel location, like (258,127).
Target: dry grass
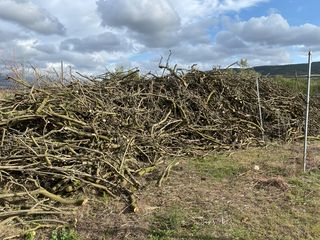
(277,201)
(219,197)
(4,93)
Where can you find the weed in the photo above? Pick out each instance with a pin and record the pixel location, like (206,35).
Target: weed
(105,197)
(64,234)
(30,235)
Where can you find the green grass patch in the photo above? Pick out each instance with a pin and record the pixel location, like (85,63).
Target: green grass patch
(218,167)
(167,223)
(64,234)
(298,85)
(30,235)
(173,220)
(240,233)
(174,224)
(266,212)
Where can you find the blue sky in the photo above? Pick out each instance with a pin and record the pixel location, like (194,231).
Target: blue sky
(296,12)
(92,35)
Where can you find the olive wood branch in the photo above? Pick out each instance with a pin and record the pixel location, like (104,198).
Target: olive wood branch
(47,194)
(108,133)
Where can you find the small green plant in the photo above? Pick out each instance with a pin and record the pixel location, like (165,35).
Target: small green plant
(64,234)
(30,235)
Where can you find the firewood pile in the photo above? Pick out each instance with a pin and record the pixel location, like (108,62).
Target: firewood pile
(60,143)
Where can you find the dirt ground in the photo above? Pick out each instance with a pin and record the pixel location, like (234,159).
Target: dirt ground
(246,194)
(256,193)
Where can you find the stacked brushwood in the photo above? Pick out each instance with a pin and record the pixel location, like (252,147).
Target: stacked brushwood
(63,142)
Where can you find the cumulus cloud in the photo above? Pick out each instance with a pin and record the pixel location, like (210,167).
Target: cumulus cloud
(275,30)
(236,5)
(167,23)
(198,32)
(229,40)
(6,36)
(152,22)
(143,16)
(197,54)
(193,10)
(106,41)
(30,16)
(107,33)
(269,36)
(91,63)
(46,48)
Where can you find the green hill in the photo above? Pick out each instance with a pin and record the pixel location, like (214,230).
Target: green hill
(288,70)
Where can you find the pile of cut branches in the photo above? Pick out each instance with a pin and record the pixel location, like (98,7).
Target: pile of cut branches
(62,142)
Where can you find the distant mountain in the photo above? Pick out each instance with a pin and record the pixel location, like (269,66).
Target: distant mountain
(288,70)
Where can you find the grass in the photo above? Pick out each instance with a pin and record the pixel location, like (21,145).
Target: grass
(167,223)
(246,204)
(5,93)
(218,167)
(173,224)
(58,234)
(64,234)
(30,235)
(299,85)
(219,196)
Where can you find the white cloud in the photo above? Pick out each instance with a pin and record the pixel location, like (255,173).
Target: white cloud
(80,17)
(106,41)
(142,16)
(229,40)
(274,30)
(6,36)
(237,5)
(193,10)
(167,23)
(30,16)
(46,48)
(108,33)
(151,22)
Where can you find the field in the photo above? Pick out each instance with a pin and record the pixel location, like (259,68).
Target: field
(218,196)
(299,84)
(170,157)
